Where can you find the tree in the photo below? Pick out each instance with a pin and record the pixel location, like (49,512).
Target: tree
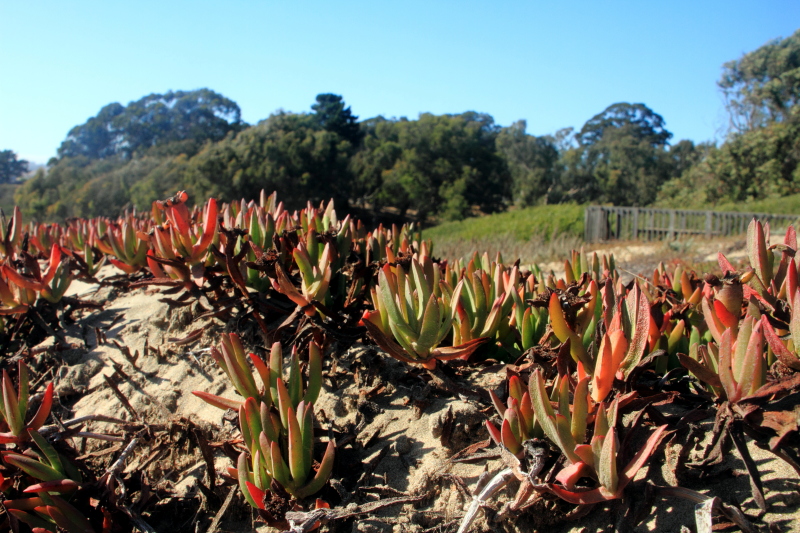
(638,121)
(288,153)
(532,163)
(11,168)
(100,137)
(763,85)
(628,170)
(445,165)
(380,150)
(155,120)
(757,164)
(684,155)
(563,139)
(332,115)
(621,158)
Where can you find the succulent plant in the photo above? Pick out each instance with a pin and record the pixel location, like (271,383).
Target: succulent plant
(127,243)
(736,366)
(276,421)
(281,449)
(179,243)
(56,474)
(598,459)
(20,289)
(485,303)
(10,234)
(14,407)
(414,313)
(49,513)
(519,422)
(315,273)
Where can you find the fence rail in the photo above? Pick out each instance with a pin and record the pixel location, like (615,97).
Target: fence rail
(638,223)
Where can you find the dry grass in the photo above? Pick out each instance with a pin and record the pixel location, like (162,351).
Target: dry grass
(537,249)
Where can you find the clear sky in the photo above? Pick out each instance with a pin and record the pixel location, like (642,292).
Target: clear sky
(554,64)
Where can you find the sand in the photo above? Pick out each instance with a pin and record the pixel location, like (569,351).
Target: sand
(402,445)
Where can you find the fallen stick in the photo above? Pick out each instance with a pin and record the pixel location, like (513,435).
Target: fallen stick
(214,527)
(302,522)
(495,484)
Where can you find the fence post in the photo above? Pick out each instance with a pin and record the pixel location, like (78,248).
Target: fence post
(587,232)
(708,224)
(635,229)
(671,232)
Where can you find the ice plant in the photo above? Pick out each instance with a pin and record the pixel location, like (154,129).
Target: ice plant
(263,222)
(315,274)
(126,242)
(56,474)
(762,282)
(623,344)
(530,322)
(90,265)
(20,289)
(49,513)
(10,234)
(610,355)
(725,309)
(180,239)
(761,258)
(736,367)
(14,406)
(565,333)
(597,459)
(281,448)
(519,422)
(567,427)
(43,236)
(414,313)
(276,420)
(789,353)
(484,303)
(742,365)
(231,358)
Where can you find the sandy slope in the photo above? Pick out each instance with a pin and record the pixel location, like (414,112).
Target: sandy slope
(402,439)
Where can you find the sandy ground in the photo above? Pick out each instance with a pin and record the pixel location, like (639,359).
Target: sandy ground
(643,257)
(403,439)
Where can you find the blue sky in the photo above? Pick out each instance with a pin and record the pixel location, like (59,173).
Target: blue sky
(554,64)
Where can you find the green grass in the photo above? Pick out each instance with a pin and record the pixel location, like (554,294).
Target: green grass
(787,205)
(534,234)
(521,224)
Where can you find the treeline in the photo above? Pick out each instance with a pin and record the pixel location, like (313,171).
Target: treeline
(442,166)
(760,157)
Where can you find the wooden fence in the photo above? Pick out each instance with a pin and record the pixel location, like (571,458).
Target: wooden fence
(638,223)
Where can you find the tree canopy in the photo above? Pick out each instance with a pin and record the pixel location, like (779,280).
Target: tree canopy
(763,86)
(11,168)
(621,157)
(635,120)
(761,157)
(288,153)
(154,120)
(332,115)
(438,164)
(532,162)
